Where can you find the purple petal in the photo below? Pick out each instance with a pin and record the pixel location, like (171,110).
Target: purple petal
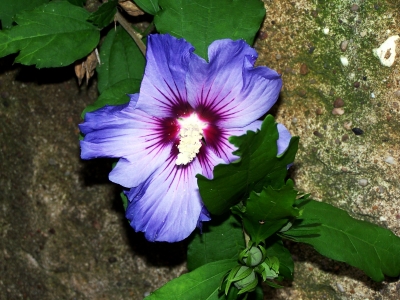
(229,90)
(204,217)
(255,126)
(130,173)
(108,133)
(106,111)
(284,138)
(218,141)
(163,89)
(133,99)
(167,206)
(126,133)
(208,160)
(224,149)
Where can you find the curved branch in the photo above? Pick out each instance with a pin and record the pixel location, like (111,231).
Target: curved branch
(135,36)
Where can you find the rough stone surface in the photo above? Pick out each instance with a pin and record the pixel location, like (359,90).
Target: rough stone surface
(327,168)
(63,234)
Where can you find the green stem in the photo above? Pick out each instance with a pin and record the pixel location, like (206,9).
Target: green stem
(135,36)
(246,238)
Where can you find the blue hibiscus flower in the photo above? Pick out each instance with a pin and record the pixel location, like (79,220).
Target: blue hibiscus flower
(178,126)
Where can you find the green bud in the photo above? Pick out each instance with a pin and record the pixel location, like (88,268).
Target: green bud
(256,257)
(253,257)
(243,283)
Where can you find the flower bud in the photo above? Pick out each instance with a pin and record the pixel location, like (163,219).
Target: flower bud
(254,256)
(243,283)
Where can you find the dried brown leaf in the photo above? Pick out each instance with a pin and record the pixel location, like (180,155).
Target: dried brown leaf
(79,70)
(90,65)
(86,67)
(131,8)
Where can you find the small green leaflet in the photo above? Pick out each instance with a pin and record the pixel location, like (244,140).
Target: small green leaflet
(269,211)
(257,294)
(222,238)
(202,283)
(120,59)
(275,247)
(124,200)
(149,6)
(105,14)
(52,35)
(201,22)
(258,166)
(371,248)
(9,8)
(115,95)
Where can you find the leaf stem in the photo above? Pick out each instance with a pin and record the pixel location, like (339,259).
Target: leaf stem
(246,238)
(135,36)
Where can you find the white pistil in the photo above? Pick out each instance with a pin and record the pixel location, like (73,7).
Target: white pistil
(191,133)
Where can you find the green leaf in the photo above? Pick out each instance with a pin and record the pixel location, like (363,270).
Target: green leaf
(222,238)
(105,14)
(258,166)
(232,293)
(371,248)
(52,35)
(258,294)
(77,2)
(269,211)
(120,59)
(201,22)
(269,269)
(9,8)
(149,6)
(202,283)
(115,95)
(276,248)
(124,200)
(120,72)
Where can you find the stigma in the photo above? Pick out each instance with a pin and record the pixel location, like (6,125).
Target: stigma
(190,135)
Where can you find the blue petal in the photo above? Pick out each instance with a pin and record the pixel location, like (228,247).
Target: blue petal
(224,148)
(204,217)
(208,159)
(124,132)
(131,172)
(229,87)
(284,138)
(167,206)
(163,88)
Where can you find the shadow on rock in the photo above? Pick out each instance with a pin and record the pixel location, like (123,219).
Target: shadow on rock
(158,254)
(303,253)
(95,171)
